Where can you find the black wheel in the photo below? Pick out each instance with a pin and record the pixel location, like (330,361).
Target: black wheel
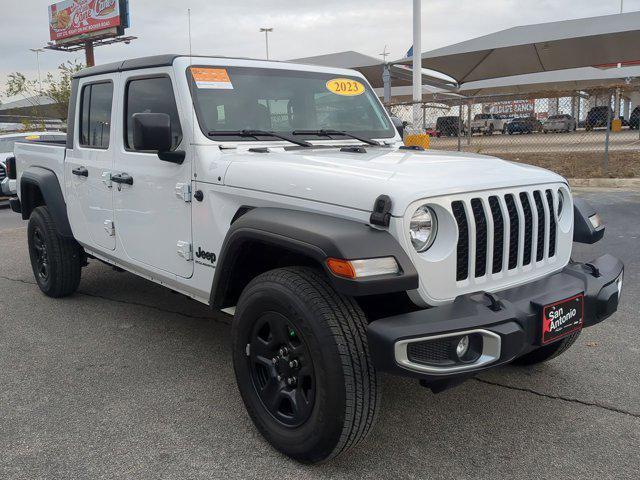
(302,364)
(548,352)
(56,261)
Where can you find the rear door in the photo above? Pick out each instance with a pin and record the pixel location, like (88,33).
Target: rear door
(88,165)
(153,215)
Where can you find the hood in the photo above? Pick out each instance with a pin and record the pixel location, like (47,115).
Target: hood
(355,180)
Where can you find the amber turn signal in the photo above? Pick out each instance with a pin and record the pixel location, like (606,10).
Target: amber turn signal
(341,268)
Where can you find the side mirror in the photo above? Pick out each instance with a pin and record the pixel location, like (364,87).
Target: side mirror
(152,133)
(399,124)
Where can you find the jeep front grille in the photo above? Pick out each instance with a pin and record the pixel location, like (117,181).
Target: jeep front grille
(504,232)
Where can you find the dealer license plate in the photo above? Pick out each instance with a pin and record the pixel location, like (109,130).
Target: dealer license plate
(562,318)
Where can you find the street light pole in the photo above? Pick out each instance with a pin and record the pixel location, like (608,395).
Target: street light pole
(266,38)
(37,52)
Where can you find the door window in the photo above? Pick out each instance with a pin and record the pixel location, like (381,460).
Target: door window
(152,95)
(95,115)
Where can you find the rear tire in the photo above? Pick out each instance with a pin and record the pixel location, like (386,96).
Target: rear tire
(548,352)
(56,261)
(332,401)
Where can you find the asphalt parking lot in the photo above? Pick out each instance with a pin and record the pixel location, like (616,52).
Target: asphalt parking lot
(127,380)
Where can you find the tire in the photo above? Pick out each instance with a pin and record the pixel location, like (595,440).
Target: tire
(336,383)
(548,352)
(56,261)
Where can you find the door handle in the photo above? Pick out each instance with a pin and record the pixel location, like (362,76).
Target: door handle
(80,171)
(122,178)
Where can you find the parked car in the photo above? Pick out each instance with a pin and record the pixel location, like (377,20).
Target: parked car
(487,123)
(448,126)
(523,125)
(634,119)
(180,175)
(560,123)
(7,144)
(598,117)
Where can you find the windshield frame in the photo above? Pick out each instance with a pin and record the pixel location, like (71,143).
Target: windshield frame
(390,135)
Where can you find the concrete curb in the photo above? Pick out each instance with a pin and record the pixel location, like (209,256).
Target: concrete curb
(632,183)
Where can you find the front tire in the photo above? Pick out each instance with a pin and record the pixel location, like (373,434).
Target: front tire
(56,261)
(302,364)
(547,352)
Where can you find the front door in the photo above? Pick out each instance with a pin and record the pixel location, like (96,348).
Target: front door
(88,166)
(152,216)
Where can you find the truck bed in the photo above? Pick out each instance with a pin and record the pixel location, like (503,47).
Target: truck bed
(44,154)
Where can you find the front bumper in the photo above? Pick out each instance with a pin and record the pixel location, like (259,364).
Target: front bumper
(510,324)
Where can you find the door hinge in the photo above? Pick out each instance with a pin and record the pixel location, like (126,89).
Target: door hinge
(109,227)
(185,250)
(183,191)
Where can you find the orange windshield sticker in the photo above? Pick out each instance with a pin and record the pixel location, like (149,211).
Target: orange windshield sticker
(217,78)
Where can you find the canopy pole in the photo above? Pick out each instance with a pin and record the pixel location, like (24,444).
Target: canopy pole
(386,80)
(417,64)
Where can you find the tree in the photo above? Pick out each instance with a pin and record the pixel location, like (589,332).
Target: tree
(57,87)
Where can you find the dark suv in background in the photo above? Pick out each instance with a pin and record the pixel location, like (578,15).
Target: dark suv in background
(634,119)
(598,117)
(447,126)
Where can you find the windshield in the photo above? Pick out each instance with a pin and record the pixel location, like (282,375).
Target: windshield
(482,116)
(284,101)
(557,117)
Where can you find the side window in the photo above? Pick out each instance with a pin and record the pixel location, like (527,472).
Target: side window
(95,115)
(151,95)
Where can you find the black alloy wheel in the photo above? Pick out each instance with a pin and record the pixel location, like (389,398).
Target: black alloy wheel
(281,369)
(42,257)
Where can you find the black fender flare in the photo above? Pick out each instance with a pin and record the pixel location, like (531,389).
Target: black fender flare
(318,237)
(49,185)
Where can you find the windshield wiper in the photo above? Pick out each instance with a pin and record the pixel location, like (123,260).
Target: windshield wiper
(329,133)
(256,134)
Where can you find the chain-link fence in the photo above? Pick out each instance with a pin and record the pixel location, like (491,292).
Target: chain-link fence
(578,134)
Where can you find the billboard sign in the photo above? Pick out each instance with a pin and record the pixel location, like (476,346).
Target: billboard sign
(516,108)
(71,18)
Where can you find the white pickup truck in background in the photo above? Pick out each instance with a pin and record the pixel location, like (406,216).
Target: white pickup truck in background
(487,123)
(282,194)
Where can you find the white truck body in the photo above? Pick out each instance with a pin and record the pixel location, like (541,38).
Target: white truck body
(282,194)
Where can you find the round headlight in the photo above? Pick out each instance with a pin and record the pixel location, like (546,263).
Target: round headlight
(422,228)
(560,202)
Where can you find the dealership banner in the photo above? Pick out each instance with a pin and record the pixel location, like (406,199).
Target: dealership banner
(522,108)
(71,18)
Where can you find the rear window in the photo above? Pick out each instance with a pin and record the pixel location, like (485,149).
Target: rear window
(95,115)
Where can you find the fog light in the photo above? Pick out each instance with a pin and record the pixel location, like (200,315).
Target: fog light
(463,346)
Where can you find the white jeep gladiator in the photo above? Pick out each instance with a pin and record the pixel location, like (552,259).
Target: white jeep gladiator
(282,195)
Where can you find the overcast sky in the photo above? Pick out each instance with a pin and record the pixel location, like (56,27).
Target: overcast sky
(302,28)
